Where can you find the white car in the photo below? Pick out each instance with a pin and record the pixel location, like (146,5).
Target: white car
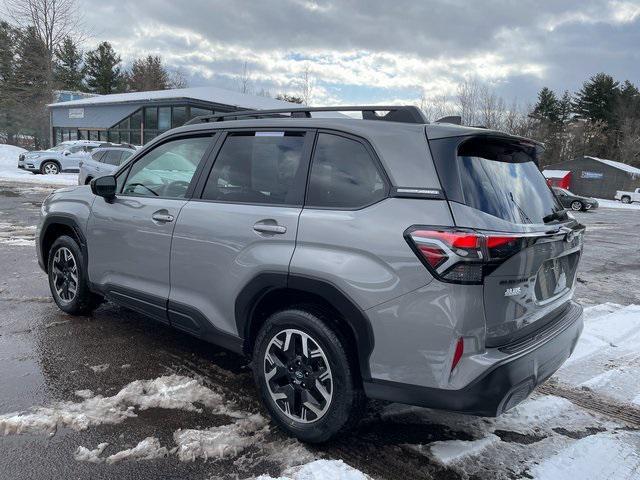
(64,157)
(628,197)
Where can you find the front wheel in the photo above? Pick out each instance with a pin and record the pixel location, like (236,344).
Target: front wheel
(626,199)
(68,279)
(50,168)
(576,206)
(305,377)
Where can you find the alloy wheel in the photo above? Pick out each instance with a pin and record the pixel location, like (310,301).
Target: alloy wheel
(298,376)
(65,274)
(576,206)
(51,169)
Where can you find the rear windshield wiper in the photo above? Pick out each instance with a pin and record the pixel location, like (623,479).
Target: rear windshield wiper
(523,215)
(557,215)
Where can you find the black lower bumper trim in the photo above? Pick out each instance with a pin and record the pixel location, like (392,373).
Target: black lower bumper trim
(496,391)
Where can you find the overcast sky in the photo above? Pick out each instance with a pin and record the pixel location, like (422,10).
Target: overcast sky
(373,51)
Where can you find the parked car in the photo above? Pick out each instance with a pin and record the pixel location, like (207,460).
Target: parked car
(64,157)
(628,197)
(573,201)
(382,257)
(104,160)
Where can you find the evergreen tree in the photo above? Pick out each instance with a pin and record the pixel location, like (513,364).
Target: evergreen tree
(8,36)
(148,74)
(565,108)
(548,107)
(33,88)
(68,69)
(597,99)
(104,75)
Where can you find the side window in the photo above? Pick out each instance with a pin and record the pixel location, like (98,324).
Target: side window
(97,156)
(167,170)
(113,157)
(76,148)
(343,175)
(259,167)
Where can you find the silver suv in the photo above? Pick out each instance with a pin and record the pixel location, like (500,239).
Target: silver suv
(104,160)
(64,157)
(380,257)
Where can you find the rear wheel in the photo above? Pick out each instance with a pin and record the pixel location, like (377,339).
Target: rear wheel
(50,168)
(626,199)
(576,206)
(304,375)
(68,278)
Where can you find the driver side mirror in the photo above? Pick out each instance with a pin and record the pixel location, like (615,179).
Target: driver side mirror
(104,186)
(66,153)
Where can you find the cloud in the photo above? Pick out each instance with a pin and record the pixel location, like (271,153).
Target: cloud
(375,50)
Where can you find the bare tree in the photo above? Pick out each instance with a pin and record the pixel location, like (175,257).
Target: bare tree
(244,80)
(436,107)
(177,79)
(468,100)
(52,20)
(307,84)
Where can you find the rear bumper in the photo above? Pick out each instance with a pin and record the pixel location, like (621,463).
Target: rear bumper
(503,386)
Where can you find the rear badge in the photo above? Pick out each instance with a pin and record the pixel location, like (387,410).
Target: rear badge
(512,292)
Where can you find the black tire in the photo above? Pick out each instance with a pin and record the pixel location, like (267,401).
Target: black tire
(577,206)
(88,181)
(626,199)
(347,403)
(83,301)
(53,167)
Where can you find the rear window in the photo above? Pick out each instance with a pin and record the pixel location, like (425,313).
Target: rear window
(501,178)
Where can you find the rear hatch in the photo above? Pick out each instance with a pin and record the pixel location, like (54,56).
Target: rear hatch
(528,246)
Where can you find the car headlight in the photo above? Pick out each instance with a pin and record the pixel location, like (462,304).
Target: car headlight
(33,155)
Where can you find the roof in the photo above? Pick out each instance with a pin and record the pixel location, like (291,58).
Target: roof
(555,173)
(619,165)
(206,94)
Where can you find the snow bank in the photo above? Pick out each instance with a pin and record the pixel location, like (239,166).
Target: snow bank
(321,470)
(17,235)
(602,456)
(172,392)
(9,170)
(147,449)
(604,203)
(220,442)
(83,454)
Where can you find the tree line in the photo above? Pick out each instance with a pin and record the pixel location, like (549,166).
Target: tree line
(600,119)
(40,53)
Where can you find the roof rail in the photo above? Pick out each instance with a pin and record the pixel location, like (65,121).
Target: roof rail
(406,113)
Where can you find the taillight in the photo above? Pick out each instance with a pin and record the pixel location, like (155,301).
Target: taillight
(461,255)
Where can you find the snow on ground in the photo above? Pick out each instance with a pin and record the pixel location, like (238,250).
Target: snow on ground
(17,235)
(320,470)
(9,170)
(607,357)
(173,392)
(147,449)
(605,203)
(220,442)
(547,437)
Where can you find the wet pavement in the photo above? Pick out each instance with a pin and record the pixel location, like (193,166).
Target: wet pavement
(46,356)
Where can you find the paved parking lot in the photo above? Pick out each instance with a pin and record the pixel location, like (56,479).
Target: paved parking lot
(118,379)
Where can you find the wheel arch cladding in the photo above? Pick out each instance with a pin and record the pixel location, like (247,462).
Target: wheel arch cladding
(269,292)
(55,226)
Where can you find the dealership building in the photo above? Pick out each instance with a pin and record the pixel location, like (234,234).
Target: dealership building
(593,177)
(138,117)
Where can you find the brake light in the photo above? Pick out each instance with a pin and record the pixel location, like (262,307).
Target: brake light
(461,255)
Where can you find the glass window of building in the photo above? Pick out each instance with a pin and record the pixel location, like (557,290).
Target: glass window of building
(150,118)
(164,118)
(179,116)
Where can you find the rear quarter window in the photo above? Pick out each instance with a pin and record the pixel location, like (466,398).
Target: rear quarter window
(343,175)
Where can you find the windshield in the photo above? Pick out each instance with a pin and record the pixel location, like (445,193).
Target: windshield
(501,178)
(59,148)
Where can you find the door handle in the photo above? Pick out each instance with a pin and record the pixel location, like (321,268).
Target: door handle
(162,216)
(269,228)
